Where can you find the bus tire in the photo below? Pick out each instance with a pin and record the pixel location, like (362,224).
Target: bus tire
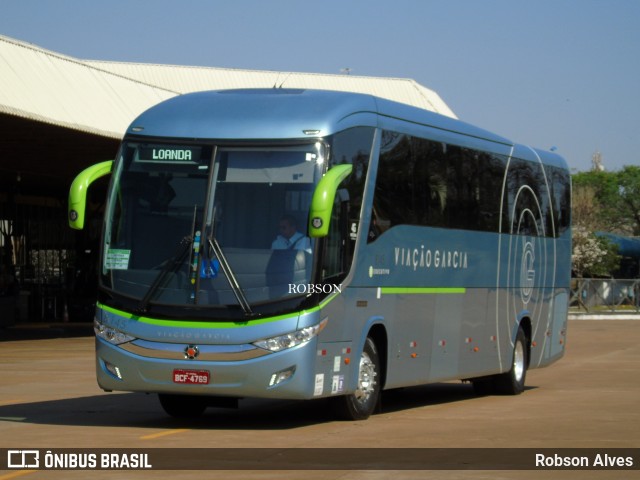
(361,404)
(512,382)
(182,406)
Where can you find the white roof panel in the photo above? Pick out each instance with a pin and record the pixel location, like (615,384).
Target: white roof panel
(192,79)
(49,87)
(104,97)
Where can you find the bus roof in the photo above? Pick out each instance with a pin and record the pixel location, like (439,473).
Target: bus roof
(283,114)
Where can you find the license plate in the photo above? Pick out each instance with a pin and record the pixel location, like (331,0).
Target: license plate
(191,377)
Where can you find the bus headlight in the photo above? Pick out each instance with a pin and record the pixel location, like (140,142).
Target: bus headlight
(110,334)
(293,339)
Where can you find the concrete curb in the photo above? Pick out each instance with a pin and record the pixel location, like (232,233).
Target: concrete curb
(604,316)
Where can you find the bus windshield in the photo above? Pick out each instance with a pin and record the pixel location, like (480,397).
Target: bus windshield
(198,225)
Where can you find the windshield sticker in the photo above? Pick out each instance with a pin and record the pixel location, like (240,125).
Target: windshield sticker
(117,259)
(210,268)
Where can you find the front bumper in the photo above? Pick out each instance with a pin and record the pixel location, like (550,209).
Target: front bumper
(240,371)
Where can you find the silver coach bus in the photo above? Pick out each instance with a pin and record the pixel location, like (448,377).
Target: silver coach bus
(303,244)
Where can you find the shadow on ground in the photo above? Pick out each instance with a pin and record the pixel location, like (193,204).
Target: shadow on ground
(144,411)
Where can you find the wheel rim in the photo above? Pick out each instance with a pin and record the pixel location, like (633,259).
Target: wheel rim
(366,379)
(518,361)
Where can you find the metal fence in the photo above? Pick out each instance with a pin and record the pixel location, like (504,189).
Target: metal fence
(589,295)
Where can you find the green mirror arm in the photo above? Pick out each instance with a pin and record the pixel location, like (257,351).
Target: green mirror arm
(78,191)
(322,201)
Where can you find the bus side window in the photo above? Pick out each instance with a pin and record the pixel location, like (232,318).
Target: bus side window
(428,183)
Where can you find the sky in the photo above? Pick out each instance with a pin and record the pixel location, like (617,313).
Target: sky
(553,74)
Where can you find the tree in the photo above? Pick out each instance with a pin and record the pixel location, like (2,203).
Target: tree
(585,208)
(596,199)
(612,198)
(593,256)
(629,191)
(603,202)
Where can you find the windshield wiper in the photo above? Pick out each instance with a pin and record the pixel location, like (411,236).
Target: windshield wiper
(231,278)
(171,266)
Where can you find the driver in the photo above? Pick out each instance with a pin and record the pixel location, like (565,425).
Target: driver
(289,237)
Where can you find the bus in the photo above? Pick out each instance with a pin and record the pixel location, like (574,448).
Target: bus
(307,244)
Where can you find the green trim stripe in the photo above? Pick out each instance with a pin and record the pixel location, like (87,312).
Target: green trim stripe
(419,290)
(194,324)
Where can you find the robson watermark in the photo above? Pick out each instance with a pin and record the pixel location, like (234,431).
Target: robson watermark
(309,288)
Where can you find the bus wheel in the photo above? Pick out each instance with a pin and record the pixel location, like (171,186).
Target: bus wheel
(182,406)
(363,402)
(512,382)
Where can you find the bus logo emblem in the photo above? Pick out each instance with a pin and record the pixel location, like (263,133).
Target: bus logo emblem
(191,352)
(527,270)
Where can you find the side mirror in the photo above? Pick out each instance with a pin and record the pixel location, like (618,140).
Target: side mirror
(78,192)
(322,201)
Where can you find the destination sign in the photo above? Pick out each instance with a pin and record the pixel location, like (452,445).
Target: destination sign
(169,154)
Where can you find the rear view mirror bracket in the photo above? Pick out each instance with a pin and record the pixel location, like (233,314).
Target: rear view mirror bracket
(323,197)
(78,192)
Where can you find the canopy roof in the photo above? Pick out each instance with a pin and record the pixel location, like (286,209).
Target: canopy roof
(60,114)
(104,97)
